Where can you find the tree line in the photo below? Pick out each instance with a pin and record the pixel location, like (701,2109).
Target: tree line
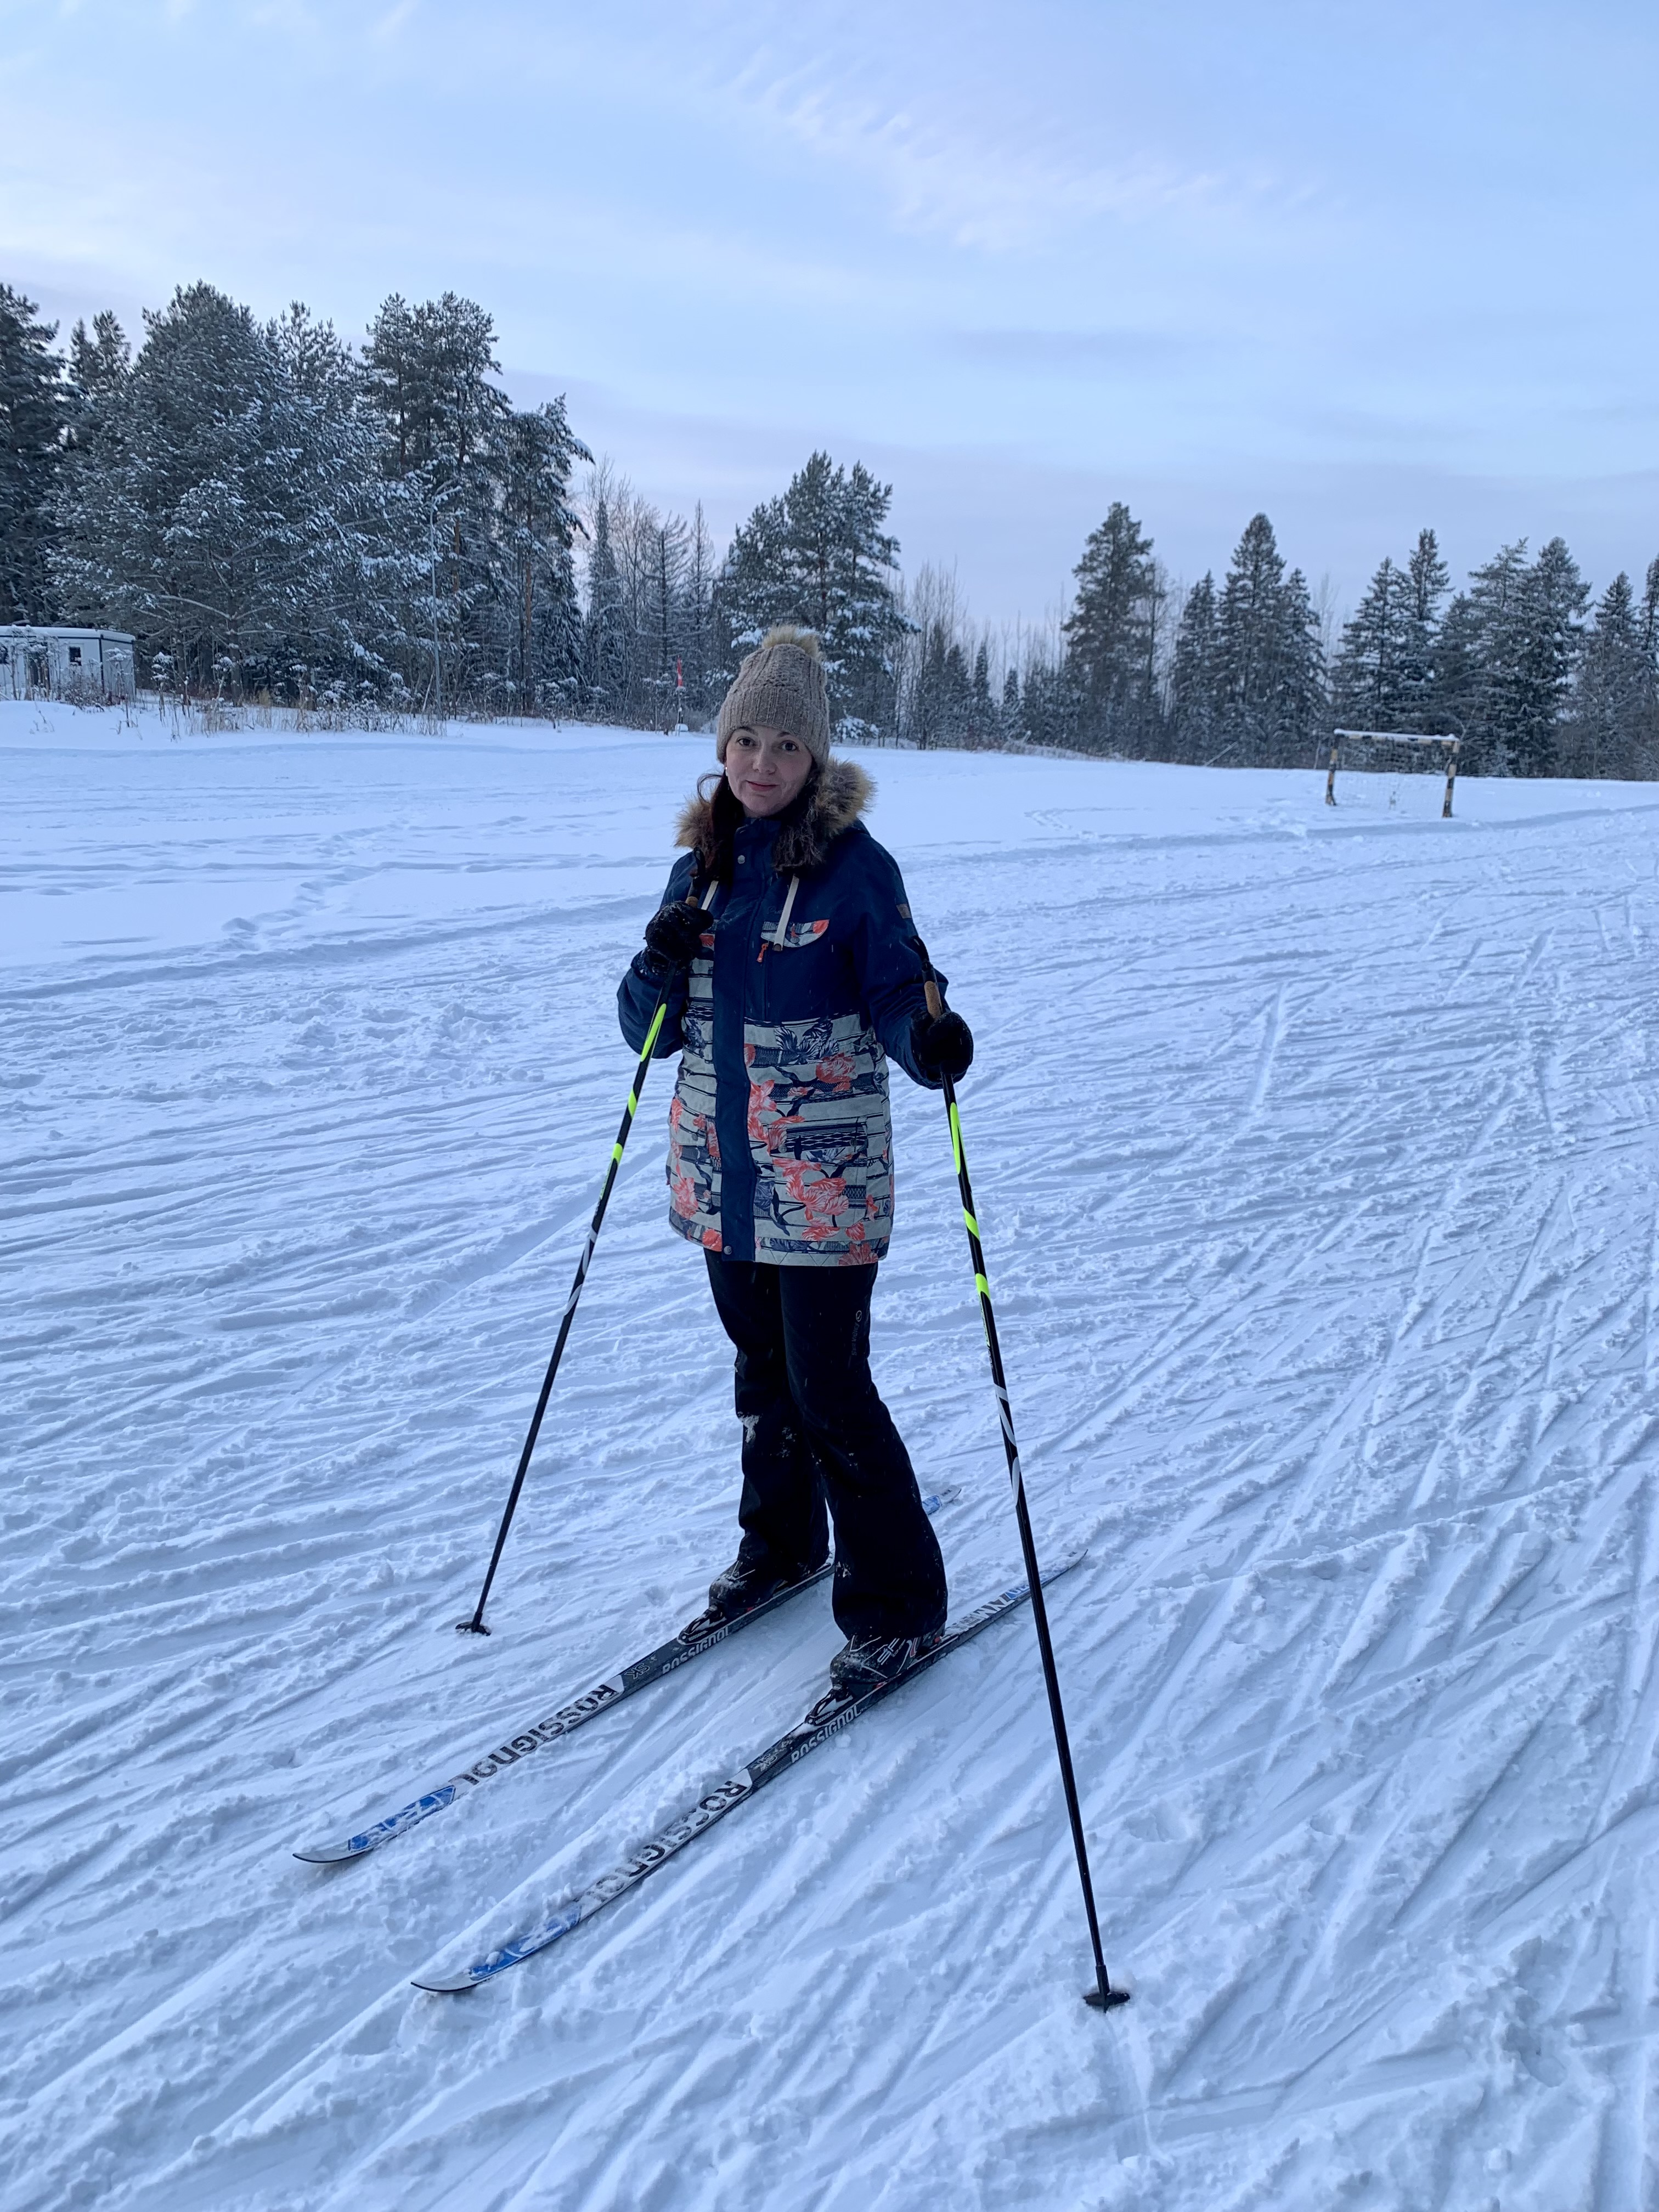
(1243,672)
(275,514)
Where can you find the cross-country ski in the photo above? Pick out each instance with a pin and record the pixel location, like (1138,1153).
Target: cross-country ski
(827,1719)
(571,1714)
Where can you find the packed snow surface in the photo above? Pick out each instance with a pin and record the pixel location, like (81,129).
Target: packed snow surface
(1316,1157)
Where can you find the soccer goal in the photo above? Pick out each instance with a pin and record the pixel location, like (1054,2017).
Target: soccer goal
(1392,752)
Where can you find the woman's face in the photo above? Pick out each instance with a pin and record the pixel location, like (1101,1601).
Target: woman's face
(766,769)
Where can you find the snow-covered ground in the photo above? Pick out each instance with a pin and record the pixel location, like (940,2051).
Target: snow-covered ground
(1316,1160)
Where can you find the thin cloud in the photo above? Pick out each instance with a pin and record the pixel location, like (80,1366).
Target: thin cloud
(1080,353)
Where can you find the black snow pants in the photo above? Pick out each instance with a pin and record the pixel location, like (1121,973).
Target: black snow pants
(815,1429)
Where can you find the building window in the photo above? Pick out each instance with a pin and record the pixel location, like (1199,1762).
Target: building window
(75,656)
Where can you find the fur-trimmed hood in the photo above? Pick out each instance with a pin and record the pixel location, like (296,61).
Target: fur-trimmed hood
(837,795)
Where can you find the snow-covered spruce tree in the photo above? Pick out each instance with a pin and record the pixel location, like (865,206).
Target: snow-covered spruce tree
(532,621)
(636,527)
(1384,676)
(607,640)
(1195,675)
(1609,730)
(1368,681)
(696,619)
(499,599)
(352,558)
(1270,691)
(1647,633)
(1048,702)
(984,722)
(222,502)
(35,414)
(665,546)
(1508,649)
(1552,638)
(944,693)
(650,586)
(428,370)
(1111,640)
(821,555)
(940,698)
(1427,581)
(167,521)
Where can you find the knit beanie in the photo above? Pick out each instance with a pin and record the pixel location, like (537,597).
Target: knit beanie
(781,686)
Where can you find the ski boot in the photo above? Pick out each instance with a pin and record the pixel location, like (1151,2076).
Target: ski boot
(741,1589)
(872,1662)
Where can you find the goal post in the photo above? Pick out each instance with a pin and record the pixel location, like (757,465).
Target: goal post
(1399,748)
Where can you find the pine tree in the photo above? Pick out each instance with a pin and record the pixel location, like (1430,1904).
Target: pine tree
(166,508)
(339,553)
(34,407)
(100,363)
(223,501)
(428,371)
(1110,634)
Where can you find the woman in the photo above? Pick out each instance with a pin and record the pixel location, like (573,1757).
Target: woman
(785,947)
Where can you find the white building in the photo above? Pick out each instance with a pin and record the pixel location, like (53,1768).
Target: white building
(39,660)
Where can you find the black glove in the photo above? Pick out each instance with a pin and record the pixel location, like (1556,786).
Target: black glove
(943,1044)
(673,937)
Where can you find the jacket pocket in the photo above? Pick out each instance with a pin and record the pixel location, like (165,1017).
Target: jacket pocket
(820,1169)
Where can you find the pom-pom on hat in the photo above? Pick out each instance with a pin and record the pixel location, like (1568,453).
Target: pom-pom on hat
(781,685)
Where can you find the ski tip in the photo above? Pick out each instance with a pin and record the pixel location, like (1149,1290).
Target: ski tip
(1107,2000)
(325,1854)
(437,1989)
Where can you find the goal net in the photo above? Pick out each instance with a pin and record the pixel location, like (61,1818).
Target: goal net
(1391,755)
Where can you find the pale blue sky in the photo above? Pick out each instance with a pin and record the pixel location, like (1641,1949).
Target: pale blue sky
(1367,268)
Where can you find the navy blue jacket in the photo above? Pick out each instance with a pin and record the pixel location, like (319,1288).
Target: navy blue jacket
(780,1134)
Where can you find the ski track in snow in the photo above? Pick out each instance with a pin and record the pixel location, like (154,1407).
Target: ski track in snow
(1316,1160)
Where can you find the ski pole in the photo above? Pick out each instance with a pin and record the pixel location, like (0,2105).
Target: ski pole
(1103,1996)
(476,1626)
